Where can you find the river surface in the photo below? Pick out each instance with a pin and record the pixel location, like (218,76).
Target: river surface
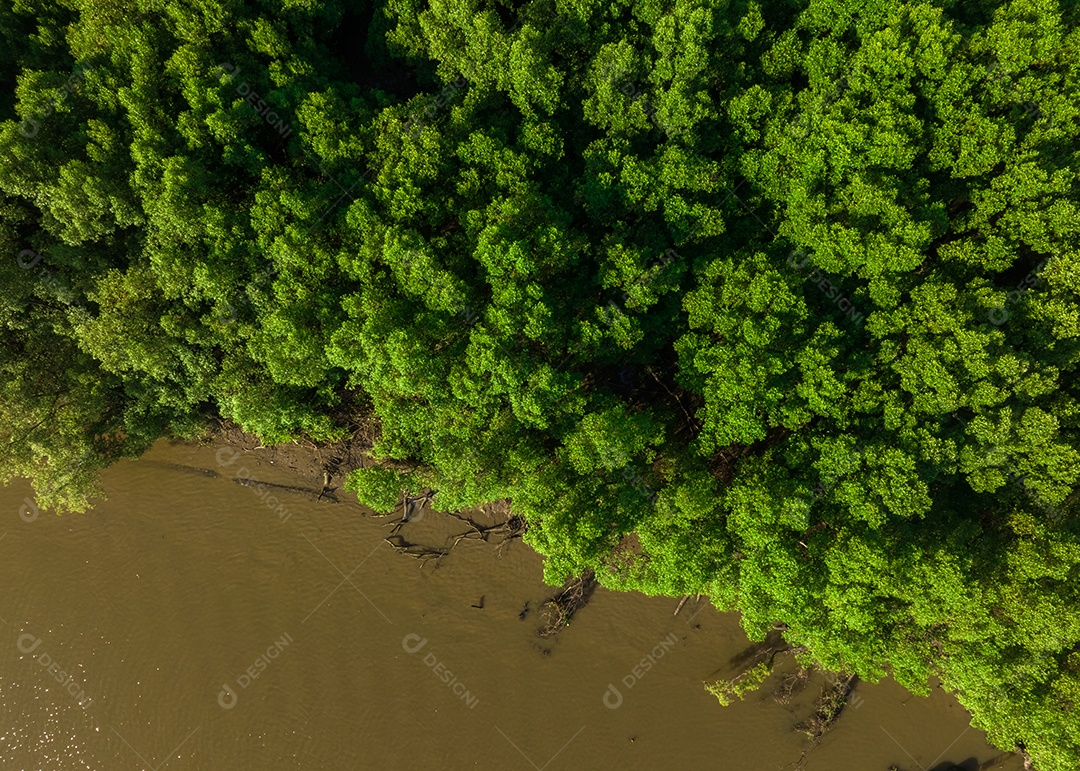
(190,622)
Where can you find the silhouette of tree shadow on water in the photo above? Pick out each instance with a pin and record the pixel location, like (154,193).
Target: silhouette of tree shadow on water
(971,764)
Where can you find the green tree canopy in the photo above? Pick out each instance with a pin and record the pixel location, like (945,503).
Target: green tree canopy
(770,301)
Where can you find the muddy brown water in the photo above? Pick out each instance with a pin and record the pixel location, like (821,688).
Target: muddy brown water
(190,622)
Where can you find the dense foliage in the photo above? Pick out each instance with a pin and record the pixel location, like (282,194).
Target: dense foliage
(773,301)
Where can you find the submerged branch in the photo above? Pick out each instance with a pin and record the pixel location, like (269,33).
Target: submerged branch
(560,609)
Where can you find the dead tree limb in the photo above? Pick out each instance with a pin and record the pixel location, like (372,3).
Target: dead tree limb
(513,527)
(415,550)
(830,704)
(410,505)
(791,684)
(573,596)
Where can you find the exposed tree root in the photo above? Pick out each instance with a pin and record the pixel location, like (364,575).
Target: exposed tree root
(505,531)
(499,533)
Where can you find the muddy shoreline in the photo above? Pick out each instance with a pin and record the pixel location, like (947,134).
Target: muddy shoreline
(322,469)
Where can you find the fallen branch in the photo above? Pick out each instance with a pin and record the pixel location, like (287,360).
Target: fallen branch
(755,665)
(410,506)
(304,491)
(560,609)
(827,711)
(791,684)
(683,602)
(415,550)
